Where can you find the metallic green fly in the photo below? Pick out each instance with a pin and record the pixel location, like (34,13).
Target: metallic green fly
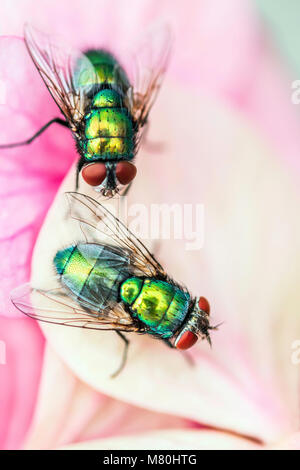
(118,286)
(105,109)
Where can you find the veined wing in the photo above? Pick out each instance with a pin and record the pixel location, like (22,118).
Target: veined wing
(95,219)
(67,74)
(56,306)
(151,60)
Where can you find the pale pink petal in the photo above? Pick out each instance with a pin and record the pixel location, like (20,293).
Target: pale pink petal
(19,378)
(291,442)
(247,268)
(29,175)
(251,270)
(171,439)
(69,411)
(29,178)
(249,77)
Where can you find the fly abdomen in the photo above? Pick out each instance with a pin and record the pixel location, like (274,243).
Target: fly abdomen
(160,305)
(92,273)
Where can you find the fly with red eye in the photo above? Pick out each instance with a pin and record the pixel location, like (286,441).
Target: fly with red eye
(115,283)
(196,325)
(95,173)
(104,103)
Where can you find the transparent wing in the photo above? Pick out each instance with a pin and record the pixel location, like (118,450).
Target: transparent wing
(56,306)
(95,219)
(151,60)
(67,74)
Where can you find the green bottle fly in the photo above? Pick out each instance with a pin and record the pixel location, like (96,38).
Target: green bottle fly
(119,287)
(97,273)
(105,110)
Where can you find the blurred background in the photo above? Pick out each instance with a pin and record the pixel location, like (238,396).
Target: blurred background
(238,61)
(282,23)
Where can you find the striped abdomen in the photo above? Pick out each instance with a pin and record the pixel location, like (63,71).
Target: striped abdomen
(91,272)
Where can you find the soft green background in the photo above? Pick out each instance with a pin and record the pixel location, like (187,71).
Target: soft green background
(282,18)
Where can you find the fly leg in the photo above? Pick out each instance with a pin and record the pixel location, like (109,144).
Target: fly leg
(60,121)
(168,343)
(124,357)
(186,355)
(126,190)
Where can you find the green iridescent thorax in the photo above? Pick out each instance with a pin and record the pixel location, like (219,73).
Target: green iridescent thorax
(158,304)
(109,131)
(107,98)
(91,272)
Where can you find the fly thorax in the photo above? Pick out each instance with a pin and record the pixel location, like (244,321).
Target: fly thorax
(107,98)
(159,305)
(108,128)
(196,326)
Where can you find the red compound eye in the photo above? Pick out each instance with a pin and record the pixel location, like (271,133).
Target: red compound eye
(204,305)
(186,340)
(94,174)
(125,172)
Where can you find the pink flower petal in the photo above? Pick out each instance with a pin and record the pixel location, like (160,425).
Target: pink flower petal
(250,77)
(171,439)
(19,378)
(247,77)
(81,413)
(29,175)
(247,269)
(291,442)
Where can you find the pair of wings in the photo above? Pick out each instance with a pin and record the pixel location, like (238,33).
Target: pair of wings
(57,64)
(56,306)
